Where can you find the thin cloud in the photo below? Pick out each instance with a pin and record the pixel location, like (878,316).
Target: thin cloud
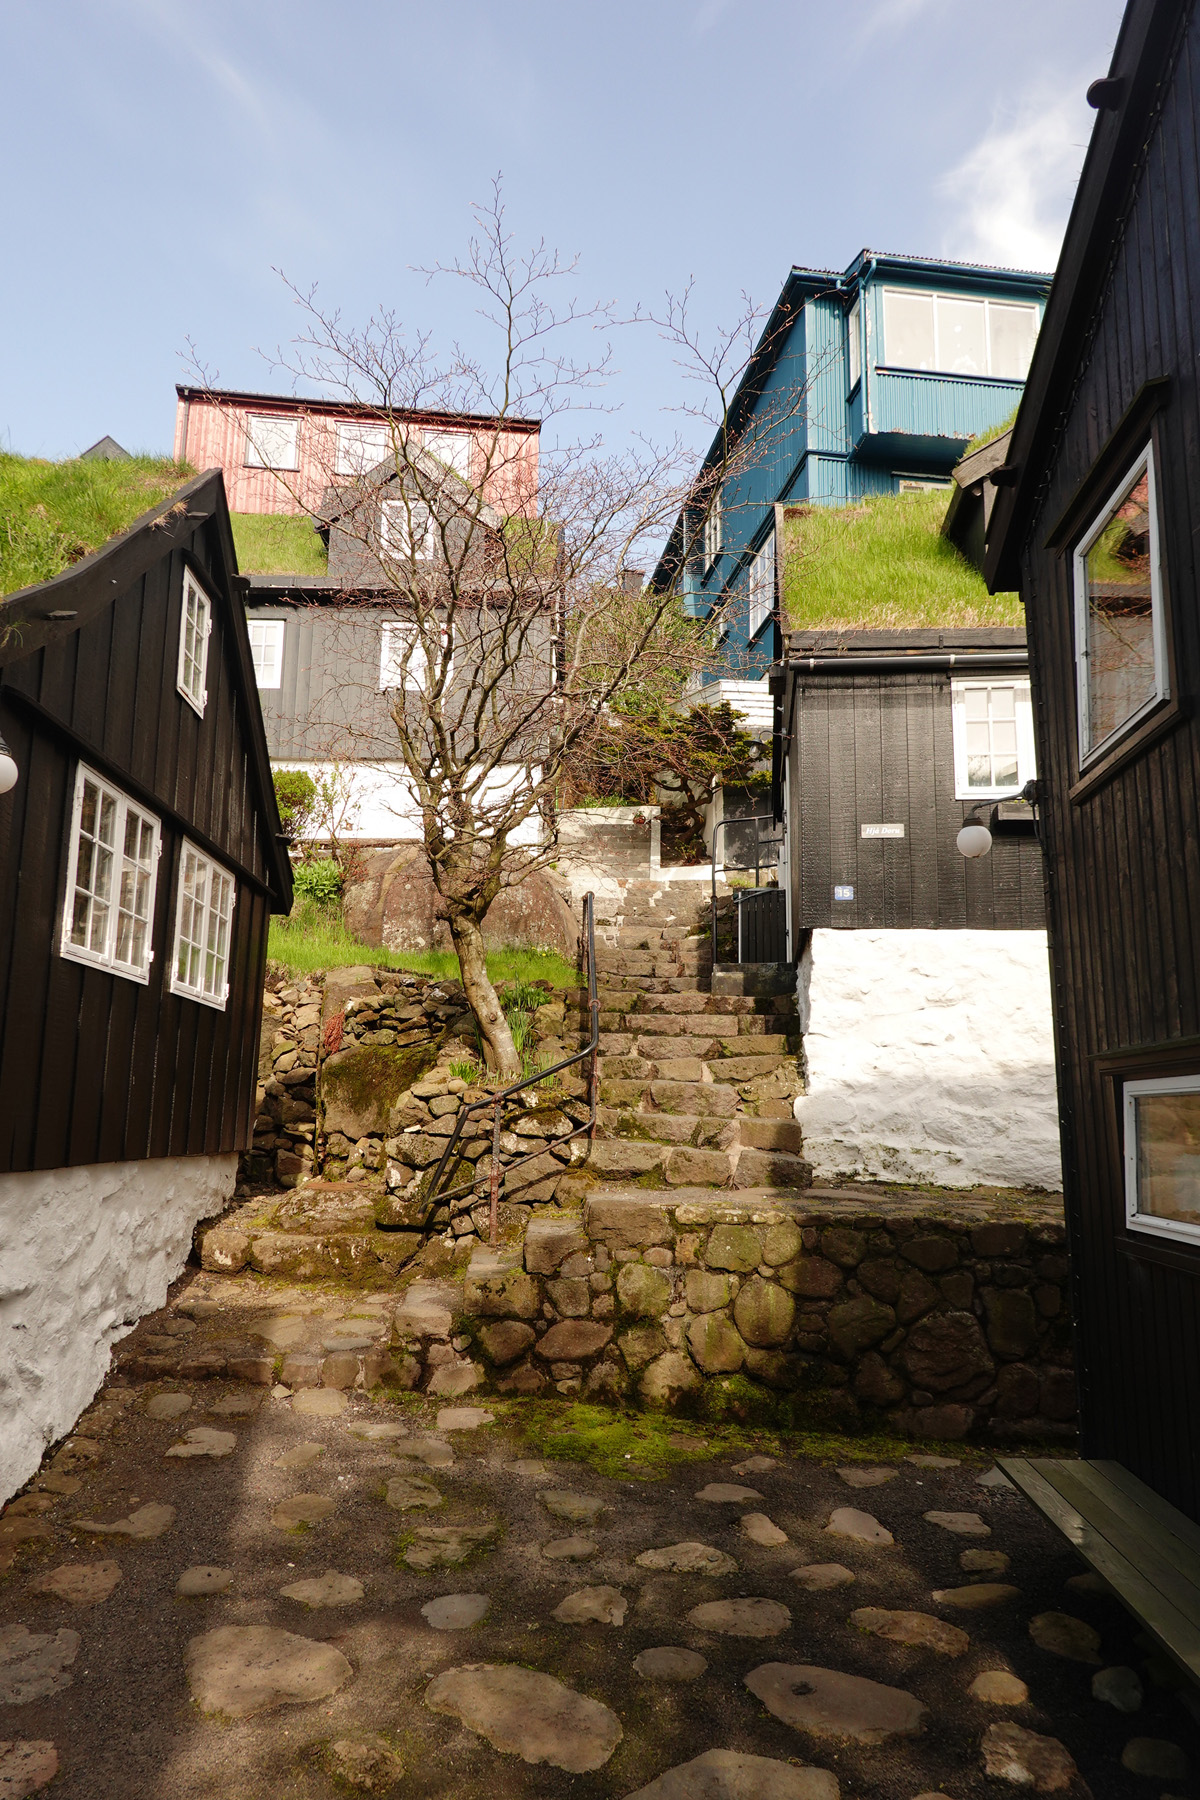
(1010,195)
(886,17)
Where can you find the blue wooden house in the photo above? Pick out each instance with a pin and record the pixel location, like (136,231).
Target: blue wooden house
(867,382)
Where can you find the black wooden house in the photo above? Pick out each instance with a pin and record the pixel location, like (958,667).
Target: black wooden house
(140,859)
(1097,518)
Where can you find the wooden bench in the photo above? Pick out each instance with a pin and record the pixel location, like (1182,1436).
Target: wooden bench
(1147,1551)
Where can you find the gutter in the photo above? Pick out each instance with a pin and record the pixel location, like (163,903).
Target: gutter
(946,659)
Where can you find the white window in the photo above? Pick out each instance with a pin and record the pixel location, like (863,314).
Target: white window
(363,447)
(272,441)
(266,647)
(402,659)
(452,448)
(203,918)
(406,531)
(854,337)
(195,624)
(957,335)
(993,738)
(1162,1156)
(713,528)
(762,586)
(108,917)
(1120,632)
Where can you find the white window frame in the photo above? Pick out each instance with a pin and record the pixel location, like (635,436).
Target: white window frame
(453,448)
(209,989)
(105,957)
(417,667)
(714,533)
(395,530)
(1134,1219)
(265,434)
(854,344)
(191,675)
(356,440)
(266,650)
(1023,711)
(762,585)
(979,300)
(1089,752)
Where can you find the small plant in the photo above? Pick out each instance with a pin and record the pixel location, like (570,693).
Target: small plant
(296,795)
(521,1027)
(521,997)
(319,881)
(465,1068)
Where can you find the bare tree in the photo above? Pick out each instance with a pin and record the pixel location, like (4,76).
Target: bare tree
(515,630)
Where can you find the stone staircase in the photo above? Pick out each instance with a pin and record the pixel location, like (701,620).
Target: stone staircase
(697,1074)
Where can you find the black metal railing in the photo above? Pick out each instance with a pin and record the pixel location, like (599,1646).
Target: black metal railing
(760,844)
(495,1102)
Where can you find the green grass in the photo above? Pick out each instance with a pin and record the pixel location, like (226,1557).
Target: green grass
(992,433)
(278,544)
(883,563)
(311,939)
(54,513)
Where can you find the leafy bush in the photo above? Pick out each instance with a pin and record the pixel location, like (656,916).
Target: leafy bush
(296,795)
(319,881)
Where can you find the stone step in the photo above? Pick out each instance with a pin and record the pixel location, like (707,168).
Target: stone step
(710,1099)
(754,978)
(765,1043)
(736,1006)
(623,1159)
(742,1068)
(626,936)
(771,1134)
(667,1127)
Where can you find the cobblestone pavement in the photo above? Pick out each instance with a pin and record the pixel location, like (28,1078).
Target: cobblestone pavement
(217,1591)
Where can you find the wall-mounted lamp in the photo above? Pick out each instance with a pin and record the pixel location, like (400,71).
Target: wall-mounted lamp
(8,768)
(974,839)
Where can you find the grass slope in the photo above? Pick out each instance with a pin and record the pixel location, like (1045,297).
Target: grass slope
(311,939)
(278,544)
(52,514)
(883,563)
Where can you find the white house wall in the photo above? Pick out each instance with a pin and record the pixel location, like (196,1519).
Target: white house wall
(84,1254)
(929,1057)
(375,800)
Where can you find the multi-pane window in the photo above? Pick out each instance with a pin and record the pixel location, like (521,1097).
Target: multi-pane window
(402,659)
(266,648)
(993,738)
(452,448)
(713,532)
(1120,633)
(762,586)
(406,531)
(958,335)
(1162,1156)
(854,343)
(361,447)
(111,876)
(194,626)
(203,920)
(272,441)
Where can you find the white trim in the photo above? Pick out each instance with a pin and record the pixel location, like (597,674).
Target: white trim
(1023,716)
(191,671)
(144,865)
(1088,752)
(1135,1219)
(209,985)
(762,585)
(854,345)
(714,532)
(267,653)
(270,439)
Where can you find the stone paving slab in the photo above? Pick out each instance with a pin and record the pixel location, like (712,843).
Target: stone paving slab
(288,1632)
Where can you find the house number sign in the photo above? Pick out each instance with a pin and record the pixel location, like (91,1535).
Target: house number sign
(882,831)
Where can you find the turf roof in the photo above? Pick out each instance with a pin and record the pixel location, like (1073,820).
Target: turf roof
(52,514)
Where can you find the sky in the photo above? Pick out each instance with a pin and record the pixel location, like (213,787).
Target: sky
(168,162)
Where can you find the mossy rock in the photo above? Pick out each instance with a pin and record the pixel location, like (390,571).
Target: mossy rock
(361,1087)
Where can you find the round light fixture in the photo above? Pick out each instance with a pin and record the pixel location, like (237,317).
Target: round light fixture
(974,839)
(8,768)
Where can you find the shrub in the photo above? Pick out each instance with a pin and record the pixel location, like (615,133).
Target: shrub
(319,881)
(296,795)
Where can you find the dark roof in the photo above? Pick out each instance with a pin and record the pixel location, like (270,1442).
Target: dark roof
(799,644)
(356,409)
(105,449)
(1142,50)
(51,611)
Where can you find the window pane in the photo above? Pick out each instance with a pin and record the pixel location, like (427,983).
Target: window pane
(1004,702)
(1012,331)
(962,341)
(272,442)
(1168,1156)
(1119,647)
(908,329)
(854,328)
(975,700)
(453,448)
(362,447)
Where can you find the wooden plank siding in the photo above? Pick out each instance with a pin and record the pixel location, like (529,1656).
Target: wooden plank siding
(1124,851)
(95,1067)
(877,748)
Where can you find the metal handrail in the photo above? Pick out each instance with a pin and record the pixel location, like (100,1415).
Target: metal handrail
(754,819)
(496,1101)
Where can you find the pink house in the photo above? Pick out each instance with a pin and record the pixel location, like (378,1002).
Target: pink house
(280,454)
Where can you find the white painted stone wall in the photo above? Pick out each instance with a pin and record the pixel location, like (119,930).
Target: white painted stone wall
(929,1057)
(84,1254)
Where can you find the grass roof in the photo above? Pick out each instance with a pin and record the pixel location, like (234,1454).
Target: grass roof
(54,513)
(883,564)
(278,544)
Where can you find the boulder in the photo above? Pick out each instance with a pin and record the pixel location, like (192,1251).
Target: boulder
(571,1340)
(764,1313)
(668,1379)
(361,1087)
(946,1351)
(715,1344)
(859,1324)
(394,904)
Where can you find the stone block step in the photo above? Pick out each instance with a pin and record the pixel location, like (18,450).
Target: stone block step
(678,1165)
(709,1099)
(742,1068)
(667,1127)
(771,1134)
(670,1024)
(770,1168)
(766,1043)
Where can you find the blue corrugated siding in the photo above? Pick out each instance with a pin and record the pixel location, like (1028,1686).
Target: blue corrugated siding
(938,406)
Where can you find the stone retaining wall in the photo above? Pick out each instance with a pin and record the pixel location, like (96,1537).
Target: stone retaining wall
(935,1323)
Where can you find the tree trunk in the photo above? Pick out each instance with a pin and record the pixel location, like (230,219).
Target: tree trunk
(500,1053)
